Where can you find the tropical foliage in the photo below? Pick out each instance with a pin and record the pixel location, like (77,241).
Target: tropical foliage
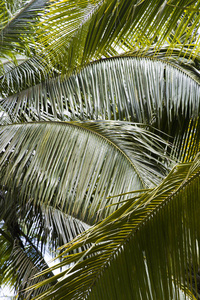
(99,148)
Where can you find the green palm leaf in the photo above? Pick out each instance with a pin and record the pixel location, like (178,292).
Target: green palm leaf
(63,228)
(23,265)
(140,248)
(26,234)
(71,36)
(137,89)
(17,24)
(128,24)
(76,166)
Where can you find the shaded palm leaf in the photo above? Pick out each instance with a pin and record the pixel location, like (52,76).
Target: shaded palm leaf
(23,233)
(139,250)
(19,263)
(24,264)
(76,166)
(63,228)
(67,31)
(16,27)
(6,245)
(40,227)
(18,36)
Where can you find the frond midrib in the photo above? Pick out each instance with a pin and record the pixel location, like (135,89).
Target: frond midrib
(81,125)
(138,227)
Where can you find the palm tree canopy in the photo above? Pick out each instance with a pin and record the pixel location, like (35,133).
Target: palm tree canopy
(99,101)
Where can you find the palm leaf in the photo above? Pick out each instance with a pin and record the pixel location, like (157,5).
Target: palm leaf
(19,263)
(76,166)
(18,36)
(39,226)
(6,245)
(121,89)
(142,249)
(18,25)
(127,24)
(66,37)
(63,228)
(24,264)
(23,233)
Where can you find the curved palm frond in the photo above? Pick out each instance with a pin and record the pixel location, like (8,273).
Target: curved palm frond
(127,24)
(76,166)
(139,250)
(63,228)
(6,245)
(70,33)
(24,235)
(124,88)
(139,89)
(15,73)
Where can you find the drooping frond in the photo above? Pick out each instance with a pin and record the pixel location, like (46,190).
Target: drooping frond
(24,264)
(62,228)
(139,89)
(18,43)
(120,25)
(71,36)
(27,233)
(76,166)
(6,244)
(143,250)
(19,262)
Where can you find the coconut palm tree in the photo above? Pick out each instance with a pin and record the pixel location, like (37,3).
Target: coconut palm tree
(99,143)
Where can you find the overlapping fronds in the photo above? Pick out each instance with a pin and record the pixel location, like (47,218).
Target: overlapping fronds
(18,21)
(16,25)
(120,25)
(6,244)
(137,89)
(19,263)
(62,228)
(23,264)
(141,251)
(76,166)
(74,33)
(26,234)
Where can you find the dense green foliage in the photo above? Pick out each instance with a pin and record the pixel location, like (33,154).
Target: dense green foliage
(99,148)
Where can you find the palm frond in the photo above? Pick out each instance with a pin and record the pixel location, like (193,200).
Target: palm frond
(38,226)
(63,228)
(6,245)
(24,264)
(125,88)
(126,24)
(76,166)
(19,263)
(140,251)
(16,27)
(18,60)
(147,90)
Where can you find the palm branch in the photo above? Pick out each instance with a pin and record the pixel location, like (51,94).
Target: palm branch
(143,249)
(97,164)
